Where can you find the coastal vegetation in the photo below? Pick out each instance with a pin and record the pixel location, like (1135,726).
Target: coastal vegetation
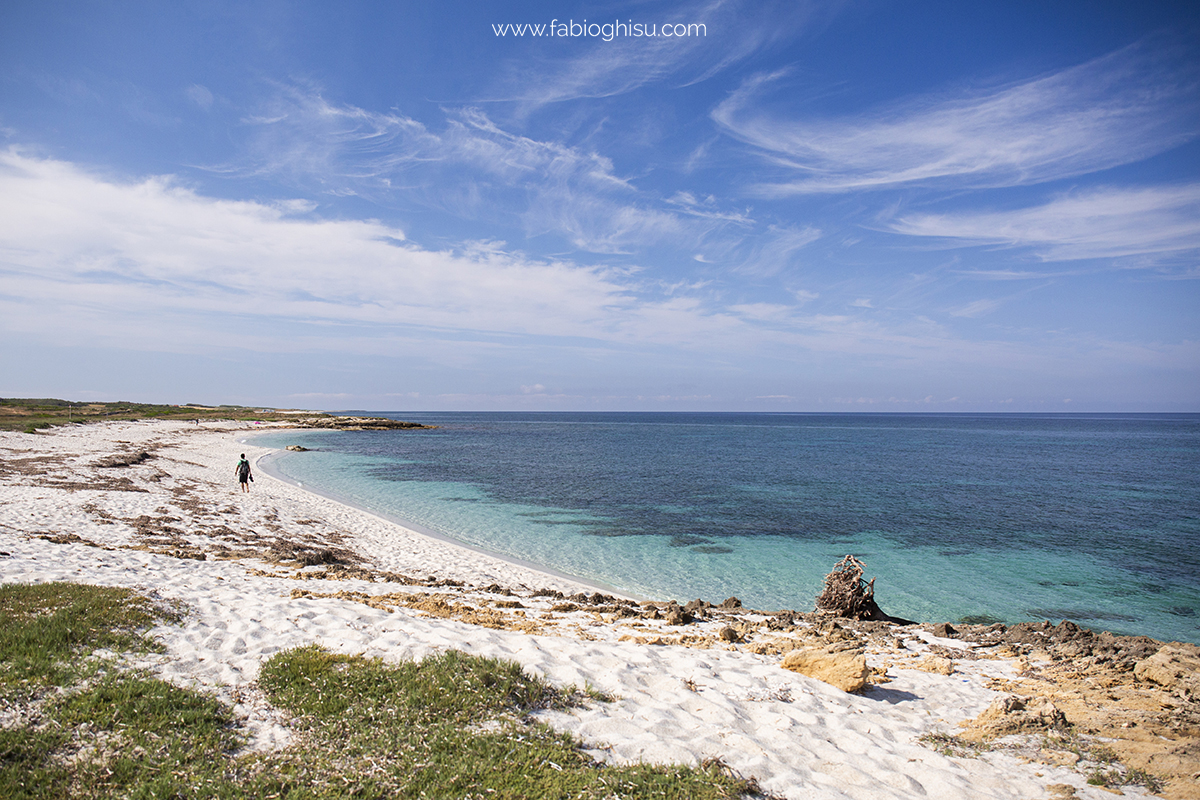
(31,415)
(79,720)
(19,414)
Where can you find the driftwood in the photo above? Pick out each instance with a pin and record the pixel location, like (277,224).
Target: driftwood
(846,594)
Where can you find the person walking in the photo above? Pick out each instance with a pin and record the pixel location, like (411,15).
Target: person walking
(242,470)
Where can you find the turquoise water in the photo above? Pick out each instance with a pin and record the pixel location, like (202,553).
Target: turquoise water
(1094,518)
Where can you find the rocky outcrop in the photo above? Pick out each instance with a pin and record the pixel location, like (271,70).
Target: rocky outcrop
(1176,667)
(841,663)
(1009,714)
(1066,641)
(360,424)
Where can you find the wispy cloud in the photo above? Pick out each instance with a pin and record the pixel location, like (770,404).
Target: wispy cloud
(200,95)
(976,308)
(1098,223)
(775,249)
(1114,110)
(472,169)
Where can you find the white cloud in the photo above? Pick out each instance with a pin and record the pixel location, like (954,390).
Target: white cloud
(1114,110)
(976,308)
(706,208)
(1098,223)
(155,266)
(200,95)
(132,256)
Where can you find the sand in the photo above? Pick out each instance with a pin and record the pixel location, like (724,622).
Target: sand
(155,506)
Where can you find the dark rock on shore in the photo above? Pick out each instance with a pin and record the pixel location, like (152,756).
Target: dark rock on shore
(1067,640)
(360,424)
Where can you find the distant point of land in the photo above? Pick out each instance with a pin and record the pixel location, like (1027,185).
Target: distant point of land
(30,415)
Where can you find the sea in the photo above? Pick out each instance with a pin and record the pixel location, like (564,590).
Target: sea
(1093,518)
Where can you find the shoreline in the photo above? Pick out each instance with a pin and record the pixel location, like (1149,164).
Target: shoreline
(264,464)
(154,506)
(986,558)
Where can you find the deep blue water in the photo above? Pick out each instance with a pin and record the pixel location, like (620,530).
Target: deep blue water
(1013,517)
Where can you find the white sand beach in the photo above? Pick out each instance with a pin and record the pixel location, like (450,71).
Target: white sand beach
(173,524)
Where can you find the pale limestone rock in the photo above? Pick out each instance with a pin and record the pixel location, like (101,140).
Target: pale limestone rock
(1176,666)
(936,664)
(842,664)
(1009,714)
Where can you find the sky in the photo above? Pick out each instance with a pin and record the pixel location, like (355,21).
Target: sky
(781,206)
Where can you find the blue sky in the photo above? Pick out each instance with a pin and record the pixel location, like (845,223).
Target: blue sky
(828,206)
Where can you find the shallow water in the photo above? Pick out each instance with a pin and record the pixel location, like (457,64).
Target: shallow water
(1095,518)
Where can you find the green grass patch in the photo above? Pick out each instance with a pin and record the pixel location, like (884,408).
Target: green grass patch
(48,630)
(450,726)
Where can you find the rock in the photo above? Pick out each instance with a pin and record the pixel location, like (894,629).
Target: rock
(945,631)
(782,621)
(1176,667)
(830,631)
(1009,714)
(842,664)
(1060,758)
(674,615)
(731,602)
(360,424)
(295,448)
(728,634)
(936,664)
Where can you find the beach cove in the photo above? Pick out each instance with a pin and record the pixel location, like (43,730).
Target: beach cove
(154,506)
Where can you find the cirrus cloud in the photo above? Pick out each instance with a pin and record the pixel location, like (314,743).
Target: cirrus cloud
(1113,110)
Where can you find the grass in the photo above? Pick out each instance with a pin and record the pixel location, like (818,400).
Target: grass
(950,745)
(452,725)
(47,630)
